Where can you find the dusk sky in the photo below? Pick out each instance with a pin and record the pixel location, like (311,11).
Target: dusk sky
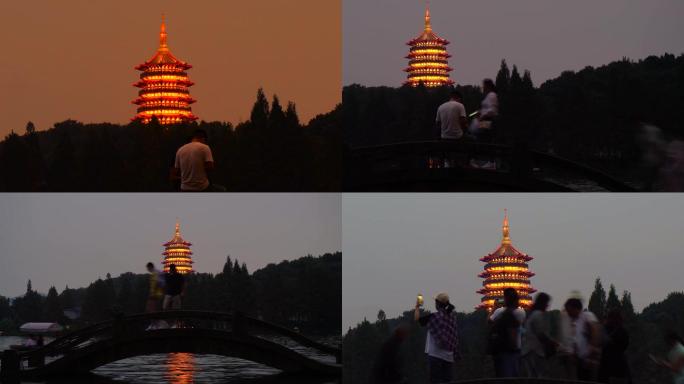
(546,37)
(60,239)
(75,58)
(399,245)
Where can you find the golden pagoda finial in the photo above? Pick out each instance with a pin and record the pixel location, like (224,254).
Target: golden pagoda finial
(162,34)
(428,27)
(177,227)
(506,232)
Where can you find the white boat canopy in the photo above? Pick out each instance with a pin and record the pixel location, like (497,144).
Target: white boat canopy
(40,328)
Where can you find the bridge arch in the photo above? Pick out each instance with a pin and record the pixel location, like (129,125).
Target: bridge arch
(224,334)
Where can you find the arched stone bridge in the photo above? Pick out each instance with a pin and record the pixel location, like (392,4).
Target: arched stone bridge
(200,332)
(419,166)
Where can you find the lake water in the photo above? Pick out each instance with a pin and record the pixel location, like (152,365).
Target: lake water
(185,368)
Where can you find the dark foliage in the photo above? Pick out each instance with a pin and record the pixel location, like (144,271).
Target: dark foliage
(646,331)
(305,293)
(591,116)
(270,152)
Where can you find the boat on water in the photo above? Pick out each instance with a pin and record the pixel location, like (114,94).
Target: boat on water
(36,332)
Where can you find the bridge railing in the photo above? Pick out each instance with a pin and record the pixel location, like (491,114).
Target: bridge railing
(363,165)
(127,326)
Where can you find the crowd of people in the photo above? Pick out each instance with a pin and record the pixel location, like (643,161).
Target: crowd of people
(165,292)
(521,343)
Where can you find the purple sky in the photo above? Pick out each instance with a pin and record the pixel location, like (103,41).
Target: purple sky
(59,239)
(544,36)
(397,245)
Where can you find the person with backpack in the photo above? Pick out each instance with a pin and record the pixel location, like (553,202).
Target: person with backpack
(537,345)
(441,344)
(505,338)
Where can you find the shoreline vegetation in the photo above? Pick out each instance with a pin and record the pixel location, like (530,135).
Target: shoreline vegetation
(271,151)
(305,293)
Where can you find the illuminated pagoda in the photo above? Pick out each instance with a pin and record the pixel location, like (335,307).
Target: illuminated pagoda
(178,252)
(428,59)
(164,87)
(506,268)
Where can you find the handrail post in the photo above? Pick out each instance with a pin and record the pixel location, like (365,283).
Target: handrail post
(240,327)
(11,367)
(119,326)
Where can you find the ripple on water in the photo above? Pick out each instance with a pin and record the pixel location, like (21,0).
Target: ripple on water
(183,368)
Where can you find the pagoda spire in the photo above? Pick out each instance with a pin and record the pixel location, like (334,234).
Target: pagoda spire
(506,231)
(177,252)
(506,267)
(428,26)
(428,58)
(164,86)
(162,35)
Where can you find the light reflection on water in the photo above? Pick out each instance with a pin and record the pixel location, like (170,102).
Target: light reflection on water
(183,368)
(186,368)
(180,368)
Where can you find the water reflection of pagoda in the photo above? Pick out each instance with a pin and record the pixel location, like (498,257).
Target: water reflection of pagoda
(164,87)
(177,251)
(506,268)
(428,58)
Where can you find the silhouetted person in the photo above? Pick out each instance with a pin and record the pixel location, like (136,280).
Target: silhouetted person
(175,283)
(675,357)
(441,344)
(193,161)
(614,367)
(580,341)
(505,338)
(537,346)
(451,117)
(387,366)
(155,293)
(483,126)
(451,123)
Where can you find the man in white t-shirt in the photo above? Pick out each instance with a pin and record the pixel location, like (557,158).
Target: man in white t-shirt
(451,117)
(193,160)
(580,341)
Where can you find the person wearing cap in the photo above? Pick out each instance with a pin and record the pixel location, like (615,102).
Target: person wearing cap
(441,344)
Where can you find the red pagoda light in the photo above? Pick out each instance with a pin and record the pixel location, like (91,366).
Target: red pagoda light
(177,251)
(164,87)
(506,268)
(428,59)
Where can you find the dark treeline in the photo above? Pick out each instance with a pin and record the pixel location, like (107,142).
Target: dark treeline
(270,152)
(591,116)
(361,343)
(305,293)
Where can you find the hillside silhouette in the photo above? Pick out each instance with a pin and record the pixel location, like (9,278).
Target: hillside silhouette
(270,152)
(593,116)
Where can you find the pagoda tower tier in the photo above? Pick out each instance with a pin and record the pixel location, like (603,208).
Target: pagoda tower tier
(177,251)
(164,87)
(506,267)
(428,59)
